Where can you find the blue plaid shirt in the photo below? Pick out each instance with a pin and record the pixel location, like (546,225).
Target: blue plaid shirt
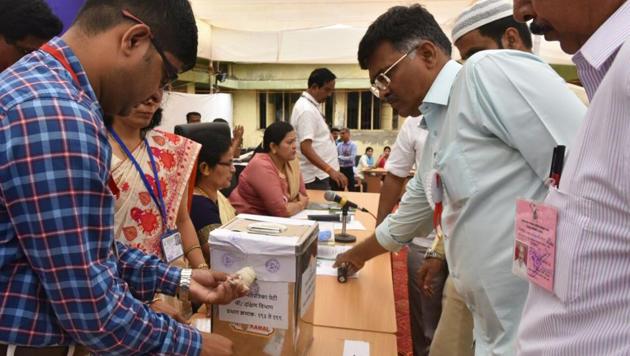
(59,280)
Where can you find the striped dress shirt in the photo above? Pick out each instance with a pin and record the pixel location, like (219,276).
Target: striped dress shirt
(588,312)
(59,281)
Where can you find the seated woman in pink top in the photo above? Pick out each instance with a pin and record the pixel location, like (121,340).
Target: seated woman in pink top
(272,184)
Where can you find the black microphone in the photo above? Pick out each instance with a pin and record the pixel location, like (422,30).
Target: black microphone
(332,196)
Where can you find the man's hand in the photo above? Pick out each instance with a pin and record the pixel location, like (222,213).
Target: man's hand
(161,306)
(209,287)
(351,260)
(427,272)
(339,178)
(216,345)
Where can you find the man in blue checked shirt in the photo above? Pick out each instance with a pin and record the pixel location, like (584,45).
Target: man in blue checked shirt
(61,283)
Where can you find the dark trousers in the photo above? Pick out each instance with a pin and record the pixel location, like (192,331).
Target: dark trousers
(424,310)
(349,173)
(319,184)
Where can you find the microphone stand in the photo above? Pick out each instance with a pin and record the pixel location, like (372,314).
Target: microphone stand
(344,236)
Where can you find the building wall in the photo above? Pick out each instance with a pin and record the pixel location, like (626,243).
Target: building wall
(293,77)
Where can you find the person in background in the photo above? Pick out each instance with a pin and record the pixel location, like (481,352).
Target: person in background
(587,310)
(272,184)
(491,135)
(25,25)
(65,280)
(237,137)
(485,25)
(153,170)
(424,309)
(366,162)
(335,135)
(210,209)
(382,159)
(318,152)
(347,151)
(193,117)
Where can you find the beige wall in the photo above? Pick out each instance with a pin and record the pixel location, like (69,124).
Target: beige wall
(246,101)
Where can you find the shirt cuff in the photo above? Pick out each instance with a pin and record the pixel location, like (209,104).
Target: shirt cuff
(187,341)
(170,280)
(385,239)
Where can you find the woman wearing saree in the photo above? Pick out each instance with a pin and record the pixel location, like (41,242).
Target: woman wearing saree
(272,183)
(210,209)
(151,170)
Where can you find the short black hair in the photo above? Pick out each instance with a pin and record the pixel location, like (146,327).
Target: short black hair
(221,120)
(403,27)
(190,114)
(335,129)
(172,22)
(213,146)
(320,76)
(497,28)
(275,133)
(387,148)
(22,18)
(369,148)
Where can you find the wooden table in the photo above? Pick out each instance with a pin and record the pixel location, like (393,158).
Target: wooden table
(373,179)
(365,303)
(330,341)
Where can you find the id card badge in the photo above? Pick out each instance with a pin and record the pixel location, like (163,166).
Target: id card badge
(535,242)
(172,245)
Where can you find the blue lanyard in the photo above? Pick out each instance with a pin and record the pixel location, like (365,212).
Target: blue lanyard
(159,201)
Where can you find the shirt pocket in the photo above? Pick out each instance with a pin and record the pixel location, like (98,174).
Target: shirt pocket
(572,229)
(456,175)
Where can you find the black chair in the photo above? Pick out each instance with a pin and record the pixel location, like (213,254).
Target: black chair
(186,130)
(194,131)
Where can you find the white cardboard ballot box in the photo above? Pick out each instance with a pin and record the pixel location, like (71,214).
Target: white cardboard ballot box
(276,318)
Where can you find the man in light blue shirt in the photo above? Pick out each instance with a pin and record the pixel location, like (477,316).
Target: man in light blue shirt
(493,124)
(347,151)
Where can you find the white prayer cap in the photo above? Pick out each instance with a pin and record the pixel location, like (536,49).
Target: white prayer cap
(480,13)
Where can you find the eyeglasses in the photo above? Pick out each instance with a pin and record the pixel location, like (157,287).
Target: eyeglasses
(226,164)
(169,68)
(382,81)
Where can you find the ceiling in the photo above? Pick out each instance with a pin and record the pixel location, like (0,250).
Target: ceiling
(307,31)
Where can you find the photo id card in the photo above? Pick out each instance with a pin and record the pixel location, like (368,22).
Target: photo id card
(535,242)
(172,246)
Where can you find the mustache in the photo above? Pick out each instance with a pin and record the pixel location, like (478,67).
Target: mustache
(539,29)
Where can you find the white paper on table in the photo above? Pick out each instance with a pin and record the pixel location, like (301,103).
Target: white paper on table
(328,252)
(325,268)
(356,348)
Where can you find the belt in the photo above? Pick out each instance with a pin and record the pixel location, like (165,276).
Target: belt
(42,351)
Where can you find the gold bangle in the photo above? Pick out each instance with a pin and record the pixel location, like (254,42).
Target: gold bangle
(202,266)
(187,251)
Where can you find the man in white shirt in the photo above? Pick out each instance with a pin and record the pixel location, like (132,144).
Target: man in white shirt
(587,312)
(424,309)
(318,153)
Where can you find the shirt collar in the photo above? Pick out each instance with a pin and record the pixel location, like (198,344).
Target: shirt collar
(607,39)
(440,90)
(309,97)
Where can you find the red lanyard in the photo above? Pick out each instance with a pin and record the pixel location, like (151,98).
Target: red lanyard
(437,194)
(61,59)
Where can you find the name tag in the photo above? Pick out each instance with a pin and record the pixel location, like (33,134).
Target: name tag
(172,245)
(535,242)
